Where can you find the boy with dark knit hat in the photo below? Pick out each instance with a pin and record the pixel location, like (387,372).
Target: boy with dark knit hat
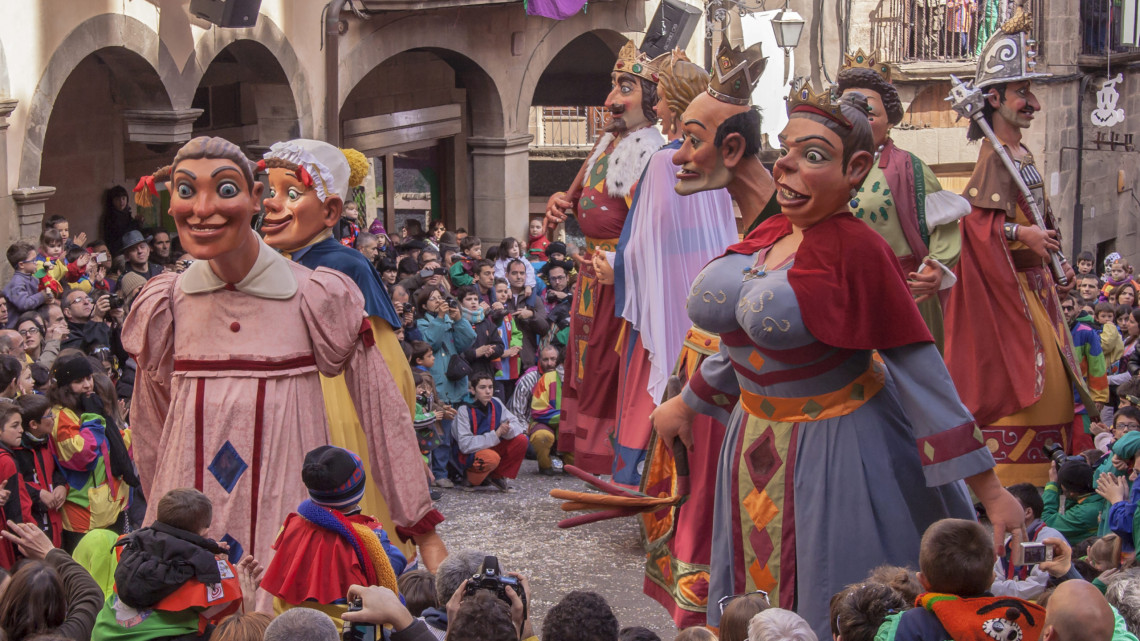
(1083,506)
(327,545)
(171,581)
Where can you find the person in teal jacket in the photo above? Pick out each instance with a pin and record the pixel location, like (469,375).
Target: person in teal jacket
(1082,504)
(444,328)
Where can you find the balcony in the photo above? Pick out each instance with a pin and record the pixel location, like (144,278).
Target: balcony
(912,34)
(566,126)
(1103,32)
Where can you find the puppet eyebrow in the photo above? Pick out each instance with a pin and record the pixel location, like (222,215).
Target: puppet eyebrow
(696,122)
(221,169)
(813,137)
(188,173)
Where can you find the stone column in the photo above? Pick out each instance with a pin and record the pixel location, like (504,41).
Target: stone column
(500,185)
(31,203)
(10,231)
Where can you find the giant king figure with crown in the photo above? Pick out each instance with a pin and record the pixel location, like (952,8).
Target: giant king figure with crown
(1021,394)
(600,197)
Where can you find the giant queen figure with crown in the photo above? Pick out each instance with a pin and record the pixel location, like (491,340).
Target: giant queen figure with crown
(1021,394)
(822,437)
(600,198)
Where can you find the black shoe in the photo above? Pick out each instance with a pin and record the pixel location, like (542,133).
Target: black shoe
(547,471)
(466,486)
(501,483)
(436,494)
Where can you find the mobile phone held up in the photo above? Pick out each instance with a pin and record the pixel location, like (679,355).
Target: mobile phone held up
(357,631)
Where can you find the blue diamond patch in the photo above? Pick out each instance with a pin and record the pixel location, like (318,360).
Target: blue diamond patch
(236,551)
(227,466)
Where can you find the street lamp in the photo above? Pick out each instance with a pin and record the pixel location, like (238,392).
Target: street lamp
(788,26)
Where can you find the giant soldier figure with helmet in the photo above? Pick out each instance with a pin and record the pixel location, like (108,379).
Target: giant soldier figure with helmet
(1021,392)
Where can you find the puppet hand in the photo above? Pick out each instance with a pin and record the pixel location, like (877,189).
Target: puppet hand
(673,419)
(602,269)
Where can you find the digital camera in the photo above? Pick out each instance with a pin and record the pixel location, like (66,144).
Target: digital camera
(489,577)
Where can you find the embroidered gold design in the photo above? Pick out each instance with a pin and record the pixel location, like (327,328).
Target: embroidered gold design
(770,324)
(756,306)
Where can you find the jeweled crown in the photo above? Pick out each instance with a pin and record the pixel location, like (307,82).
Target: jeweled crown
(863,60)
(825,103)
(630,60)
(735,73)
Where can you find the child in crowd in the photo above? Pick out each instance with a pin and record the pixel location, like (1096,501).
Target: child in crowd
(1026,581)
(10,370)
(60,224)
(18,507)
(51,265)
(418,589)
(859,610)
(426,424)
(737,611)
(509,250)
(1113,486)
(1081,518)
(170,580)
(23,290)
(470,251)
(1119,273)
(1126,419)
(1104,322)
(422,359)
(956,560)
(1086,263)
(328,545)
(537,241)
(47,487)
(80,269)
(490,444)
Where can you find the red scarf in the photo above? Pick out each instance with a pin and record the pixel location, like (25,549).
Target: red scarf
(851,291)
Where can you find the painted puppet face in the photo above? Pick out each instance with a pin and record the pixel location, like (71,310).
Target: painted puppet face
(811,182)
(1019,106)
(876,114)
(624,103)
(212,206)
(294,213)
(702,163)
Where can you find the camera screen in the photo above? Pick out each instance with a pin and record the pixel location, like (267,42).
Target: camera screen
(1033,553)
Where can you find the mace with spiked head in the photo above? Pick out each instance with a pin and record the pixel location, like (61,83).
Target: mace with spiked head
(968,102)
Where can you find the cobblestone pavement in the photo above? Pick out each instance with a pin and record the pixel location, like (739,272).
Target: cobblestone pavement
(521,529)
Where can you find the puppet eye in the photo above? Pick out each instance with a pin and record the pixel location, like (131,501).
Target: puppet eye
(185,191)
(228,189)
(294,194)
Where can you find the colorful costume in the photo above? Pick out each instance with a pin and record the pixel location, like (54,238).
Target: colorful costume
(228,391)
(812,417)
(666,240)
(545,414)
(95,497)
(590,395)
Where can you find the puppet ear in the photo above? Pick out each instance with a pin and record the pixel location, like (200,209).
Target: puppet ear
(334,206)
(732,149)
(993,97)
(858,166)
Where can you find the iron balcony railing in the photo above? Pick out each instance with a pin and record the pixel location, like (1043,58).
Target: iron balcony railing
(1102,28)
(938,30)
(566,126)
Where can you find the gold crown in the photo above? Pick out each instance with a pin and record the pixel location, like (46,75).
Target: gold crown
(862,60)
(630,60)
(824,103)
(735,73)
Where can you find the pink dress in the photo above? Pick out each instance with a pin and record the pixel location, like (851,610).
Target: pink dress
(228,399)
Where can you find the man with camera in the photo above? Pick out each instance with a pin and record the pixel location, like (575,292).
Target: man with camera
(87,329)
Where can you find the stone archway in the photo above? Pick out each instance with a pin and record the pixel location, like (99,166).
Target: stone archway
(271,44)
(246,97)
(105,32)
(87,144)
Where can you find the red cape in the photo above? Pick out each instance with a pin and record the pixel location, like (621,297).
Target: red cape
(989,337)
(849,285)
(312,563)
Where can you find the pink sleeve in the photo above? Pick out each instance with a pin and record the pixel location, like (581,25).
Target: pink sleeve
(148,336)
(342,342)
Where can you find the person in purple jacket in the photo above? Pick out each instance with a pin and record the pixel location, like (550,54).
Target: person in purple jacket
(23,290)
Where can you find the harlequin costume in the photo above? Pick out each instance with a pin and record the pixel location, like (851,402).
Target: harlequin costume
(332,174)
(326,546)
(168,582)
(902,200)
(545,415)
(1022,393)
(590,393)
(817,392)
(228,392)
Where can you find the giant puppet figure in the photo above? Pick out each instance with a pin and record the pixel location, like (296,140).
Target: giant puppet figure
(823,438)
(666,240)
(230,352)
(1008,346)
(308,183)
(902,199)
(600,197)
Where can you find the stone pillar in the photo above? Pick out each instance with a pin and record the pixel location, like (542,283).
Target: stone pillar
(10,231)
(30,207)
(500,185)
(160,126)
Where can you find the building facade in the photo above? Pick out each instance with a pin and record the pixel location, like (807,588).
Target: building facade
(96,94)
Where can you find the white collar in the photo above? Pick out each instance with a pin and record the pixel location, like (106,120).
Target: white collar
(271,276)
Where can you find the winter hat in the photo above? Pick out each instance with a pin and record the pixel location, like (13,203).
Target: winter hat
(1076,475)
(130,283)
(377,228)
(1128,446)
(556,247)
(69,369)
(334,477)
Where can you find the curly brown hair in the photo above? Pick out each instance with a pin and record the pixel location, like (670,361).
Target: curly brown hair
(861,78)
(679,83)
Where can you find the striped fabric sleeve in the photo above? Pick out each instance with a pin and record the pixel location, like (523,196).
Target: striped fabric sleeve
(77,444)
(544,402)
(714,389)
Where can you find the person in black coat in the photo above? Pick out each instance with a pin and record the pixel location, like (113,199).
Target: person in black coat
(488,346)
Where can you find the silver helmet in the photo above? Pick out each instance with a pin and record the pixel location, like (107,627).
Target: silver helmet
(1009,55)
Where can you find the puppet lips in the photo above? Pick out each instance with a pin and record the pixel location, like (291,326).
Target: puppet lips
(687,174)
(788,196)
(205,232)
(270,226)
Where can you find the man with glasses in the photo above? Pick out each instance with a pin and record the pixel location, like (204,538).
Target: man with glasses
(85,321)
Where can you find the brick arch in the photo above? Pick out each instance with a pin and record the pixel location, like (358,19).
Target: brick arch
(122,38)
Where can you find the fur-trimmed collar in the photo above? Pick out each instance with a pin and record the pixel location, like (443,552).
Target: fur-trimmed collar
(628,160)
